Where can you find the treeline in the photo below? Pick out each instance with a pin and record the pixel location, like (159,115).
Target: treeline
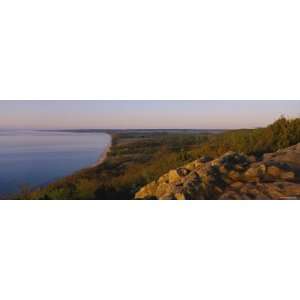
(282,133)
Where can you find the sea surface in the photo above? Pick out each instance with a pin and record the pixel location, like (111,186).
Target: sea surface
(34,158)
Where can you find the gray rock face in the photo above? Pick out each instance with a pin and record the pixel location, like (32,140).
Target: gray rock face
(231,176)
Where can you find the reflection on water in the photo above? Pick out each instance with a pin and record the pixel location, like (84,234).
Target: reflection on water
(37,157)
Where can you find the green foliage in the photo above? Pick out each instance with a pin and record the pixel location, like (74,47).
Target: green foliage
(282,133)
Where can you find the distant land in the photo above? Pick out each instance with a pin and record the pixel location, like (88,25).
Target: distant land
(211,131)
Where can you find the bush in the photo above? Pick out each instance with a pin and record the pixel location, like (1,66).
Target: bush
(282,133)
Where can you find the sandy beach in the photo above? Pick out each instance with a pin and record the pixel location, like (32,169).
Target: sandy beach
(103,155)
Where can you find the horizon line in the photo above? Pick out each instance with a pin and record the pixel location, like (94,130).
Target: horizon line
(72,129)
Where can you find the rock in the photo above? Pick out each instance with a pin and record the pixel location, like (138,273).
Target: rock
(217,190)
(174,176)
(202,171)
(290,189)
(252,191)
(239,167)
(230,195)
(193,177)
(234,175)
(273,191)
(198,163)
(290,155)
(255,172)
(205,159)
(167,197)
(256,194)
(231,176)
(180,196)
(252,158)
(193,186)
(223,169)
(287,175)
(183,171)
(226,155)
(245,197)
(162,190)
(281,171)
(236,185)
(191,166)
(273,171)
(164,178)
(233,160)
(268,156)
(148,190)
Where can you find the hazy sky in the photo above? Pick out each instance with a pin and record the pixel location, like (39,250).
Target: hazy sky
(143,114)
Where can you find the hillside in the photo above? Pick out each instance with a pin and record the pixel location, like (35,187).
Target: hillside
(138,157)
(280,134)
(231,176)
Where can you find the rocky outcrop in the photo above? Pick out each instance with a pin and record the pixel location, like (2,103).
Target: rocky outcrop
(231,176)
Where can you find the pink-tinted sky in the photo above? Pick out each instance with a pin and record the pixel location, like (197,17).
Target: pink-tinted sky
(143,114)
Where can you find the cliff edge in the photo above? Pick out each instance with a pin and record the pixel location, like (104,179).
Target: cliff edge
(231,176)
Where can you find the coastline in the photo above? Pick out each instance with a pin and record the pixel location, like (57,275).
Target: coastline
(104,154)
(99,161)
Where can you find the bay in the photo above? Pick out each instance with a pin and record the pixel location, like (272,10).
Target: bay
(31,158)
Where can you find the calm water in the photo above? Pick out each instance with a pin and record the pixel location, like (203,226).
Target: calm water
(34,158)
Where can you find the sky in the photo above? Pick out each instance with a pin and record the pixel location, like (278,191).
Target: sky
(143,114)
